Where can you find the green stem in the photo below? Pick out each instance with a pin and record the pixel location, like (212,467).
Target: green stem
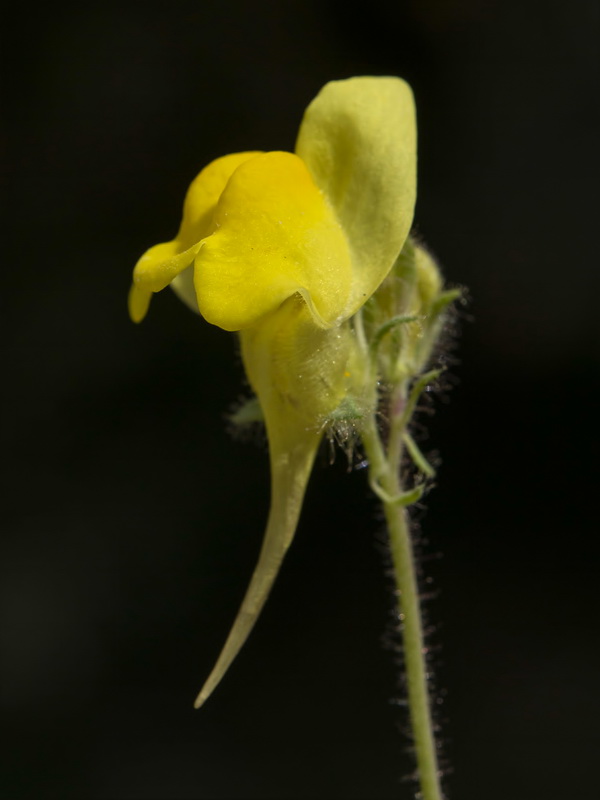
(386,470)
(414,652)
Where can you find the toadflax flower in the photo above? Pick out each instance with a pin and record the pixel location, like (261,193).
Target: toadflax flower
(285,248)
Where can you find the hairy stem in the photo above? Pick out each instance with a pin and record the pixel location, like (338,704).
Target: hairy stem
(385,470)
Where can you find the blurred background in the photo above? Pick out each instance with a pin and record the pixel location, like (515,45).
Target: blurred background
(131,519)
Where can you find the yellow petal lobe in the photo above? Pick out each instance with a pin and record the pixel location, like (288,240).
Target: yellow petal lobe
(202,197)
(274,235)
(163,263)
(138,303)
(358,140)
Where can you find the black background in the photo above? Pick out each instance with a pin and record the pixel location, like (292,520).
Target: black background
(132,520)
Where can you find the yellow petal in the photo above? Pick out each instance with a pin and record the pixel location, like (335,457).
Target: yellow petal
(274,235)
(202,197)
(358,139)
(138,302)
(161,264)
(298,372)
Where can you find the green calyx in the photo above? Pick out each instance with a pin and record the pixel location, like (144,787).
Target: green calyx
(403,319)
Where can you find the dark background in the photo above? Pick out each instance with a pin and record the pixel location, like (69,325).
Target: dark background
(131,520)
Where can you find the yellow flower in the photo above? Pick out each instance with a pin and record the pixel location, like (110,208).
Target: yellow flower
(285,248)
